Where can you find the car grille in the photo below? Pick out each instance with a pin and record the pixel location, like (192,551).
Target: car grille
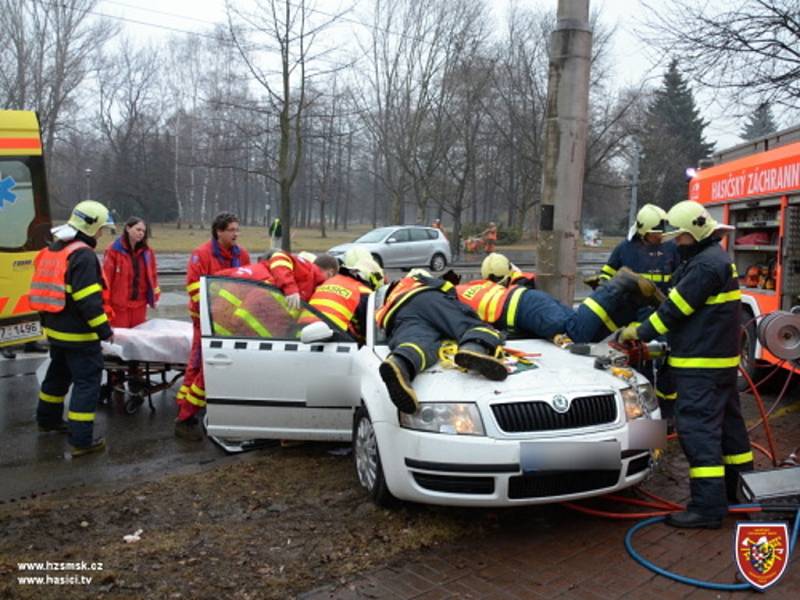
(545,485)
(517,417)
(455,484)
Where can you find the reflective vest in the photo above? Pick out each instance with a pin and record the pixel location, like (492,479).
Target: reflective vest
(49,288)
(337,299)
(399,295)
(491,300)
(522,278)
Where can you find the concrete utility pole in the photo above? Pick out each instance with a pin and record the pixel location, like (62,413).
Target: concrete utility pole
(634,205)
(565,150)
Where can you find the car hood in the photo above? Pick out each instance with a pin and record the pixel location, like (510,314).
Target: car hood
(557,372)
(342,248)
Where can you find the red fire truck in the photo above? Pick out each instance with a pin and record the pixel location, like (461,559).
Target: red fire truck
(755,187)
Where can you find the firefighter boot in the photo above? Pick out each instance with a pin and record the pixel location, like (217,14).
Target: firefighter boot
(692,520)
(97,445)
(640,288)
(188,429)
(57,427)
(396,374)
(475,357)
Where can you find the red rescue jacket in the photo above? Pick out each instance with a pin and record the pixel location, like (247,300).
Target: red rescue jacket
(209,259)
(295,275)
(118,268)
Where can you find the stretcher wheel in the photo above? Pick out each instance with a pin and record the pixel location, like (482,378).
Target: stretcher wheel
(133,402)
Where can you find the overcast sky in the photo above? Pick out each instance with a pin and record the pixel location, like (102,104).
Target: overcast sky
(632,60)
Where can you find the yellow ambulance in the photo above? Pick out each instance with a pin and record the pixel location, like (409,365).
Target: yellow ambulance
(24,222)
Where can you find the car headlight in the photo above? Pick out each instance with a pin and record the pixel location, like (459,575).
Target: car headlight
(639,401)
(453,418)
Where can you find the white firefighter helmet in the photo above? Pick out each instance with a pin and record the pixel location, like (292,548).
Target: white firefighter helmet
(649,219)
(692,217)
(90,217)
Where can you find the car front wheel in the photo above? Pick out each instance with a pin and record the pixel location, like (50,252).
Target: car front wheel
(438,262)
(368,460)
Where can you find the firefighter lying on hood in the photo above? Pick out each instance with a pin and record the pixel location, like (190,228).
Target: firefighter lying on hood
(531,312)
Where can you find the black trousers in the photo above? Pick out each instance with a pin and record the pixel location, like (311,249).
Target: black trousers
(83,369)
(713,435)
(428,318)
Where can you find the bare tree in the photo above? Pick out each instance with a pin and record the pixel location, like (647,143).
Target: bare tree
(289,29)
(45,55)
(749,49)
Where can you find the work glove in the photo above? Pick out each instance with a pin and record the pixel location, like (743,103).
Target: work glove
(293,300)
(628,333)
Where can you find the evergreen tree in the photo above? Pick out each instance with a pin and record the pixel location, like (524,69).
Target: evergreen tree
(672,140)
(761,123)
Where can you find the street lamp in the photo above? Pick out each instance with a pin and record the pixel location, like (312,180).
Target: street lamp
(88,173)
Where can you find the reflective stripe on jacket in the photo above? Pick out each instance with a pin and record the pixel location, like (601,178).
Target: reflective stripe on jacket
(48,291)
(655,262)
(295,275)
(492,302)
(338,299)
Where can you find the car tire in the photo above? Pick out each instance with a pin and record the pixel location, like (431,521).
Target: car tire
(378,260)
(367,460)
(438,262)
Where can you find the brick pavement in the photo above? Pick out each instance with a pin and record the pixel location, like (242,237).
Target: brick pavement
(553,552)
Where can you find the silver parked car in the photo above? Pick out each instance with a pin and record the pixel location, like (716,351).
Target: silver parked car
(403,246)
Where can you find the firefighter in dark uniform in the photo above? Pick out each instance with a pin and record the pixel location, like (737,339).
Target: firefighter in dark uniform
(420,312)
(69,291)
(644,251)
(535,313)
(496,267)
(701,321)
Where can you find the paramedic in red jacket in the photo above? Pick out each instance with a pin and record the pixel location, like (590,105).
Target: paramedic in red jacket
(296,276)
(220,252)
(129,265)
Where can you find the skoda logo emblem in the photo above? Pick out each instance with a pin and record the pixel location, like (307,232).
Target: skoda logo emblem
(560,404)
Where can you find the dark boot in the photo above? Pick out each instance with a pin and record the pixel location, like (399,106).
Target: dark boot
(474,357)
(643,290)
(397,376)
(97,445)
(693,520)
(189,429)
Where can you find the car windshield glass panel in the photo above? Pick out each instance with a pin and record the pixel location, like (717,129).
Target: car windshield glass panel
(418,234)
(251,309)
(376,235)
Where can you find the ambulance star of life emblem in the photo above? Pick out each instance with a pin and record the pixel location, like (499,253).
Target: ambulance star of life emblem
(762,552)
(560,403)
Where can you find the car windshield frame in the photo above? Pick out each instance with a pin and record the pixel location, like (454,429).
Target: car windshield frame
(375,236)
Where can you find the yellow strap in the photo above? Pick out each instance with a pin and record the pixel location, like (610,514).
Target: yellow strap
(658,324)
(732,296)
(50,398)
(703,363)
(447,352)
(80,416)
(703,472)
(95,288)
(419,351)
(193,286)
(71,337)
(738,459)
(220,330)
(680,302)
(491,332)
(226,295)
(97,321)
(252,322)
(601,314)
(657,277)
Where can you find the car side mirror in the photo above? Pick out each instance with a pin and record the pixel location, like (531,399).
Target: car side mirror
(391,240)
(316,332)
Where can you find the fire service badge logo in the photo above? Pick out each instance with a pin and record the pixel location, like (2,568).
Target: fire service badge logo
(762,552)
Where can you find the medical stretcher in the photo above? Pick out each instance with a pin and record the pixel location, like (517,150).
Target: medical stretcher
(150,358)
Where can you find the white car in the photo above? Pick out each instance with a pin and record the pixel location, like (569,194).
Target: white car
(559,430)
(402,246)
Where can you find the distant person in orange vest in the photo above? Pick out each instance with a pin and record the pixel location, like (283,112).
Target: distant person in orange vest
(220,252)
(489,236)
(69,291)
(437,224)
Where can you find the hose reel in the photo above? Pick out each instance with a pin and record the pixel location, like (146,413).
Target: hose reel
(779,332)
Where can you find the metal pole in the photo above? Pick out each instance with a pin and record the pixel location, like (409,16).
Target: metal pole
(565,150)
(634,205)
(88,184)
